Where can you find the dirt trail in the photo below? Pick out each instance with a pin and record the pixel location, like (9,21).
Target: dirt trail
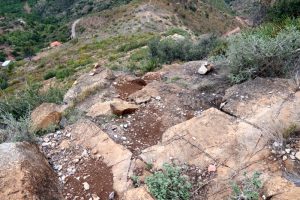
(73,35)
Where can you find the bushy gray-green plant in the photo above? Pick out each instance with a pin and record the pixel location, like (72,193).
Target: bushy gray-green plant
(252,54)
(169,50)
(23,102)
(249,189)
(15,130)
(169,183)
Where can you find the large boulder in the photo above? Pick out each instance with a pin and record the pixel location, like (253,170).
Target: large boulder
(266,103)
(46,115)
(26,174)
(87,134)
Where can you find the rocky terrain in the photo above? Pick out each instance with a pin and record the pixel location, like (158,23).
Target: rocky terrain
(148,103)
(196,121)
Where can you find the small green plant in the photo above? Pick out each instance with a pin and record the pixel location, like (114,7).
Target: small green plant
(135,180)
(49,74)
(249,189)
(149,166)
(290,130)
(64,73)
(169,183)
(3,81)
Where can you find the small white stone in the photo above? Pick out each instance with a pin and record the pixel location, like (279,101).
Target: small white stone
(284,158)
(86,186)
(292,157)
(288,151)
(202,70)
(95,197)
(158,98)
(45,144)
(275,144)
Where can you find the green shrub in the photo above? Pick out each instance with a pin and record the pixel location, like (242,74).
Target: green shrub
(168,50)
(64,73)
(3,81)
(251,54)
(283,9)
(249,189)
(49,74)
(169,184)
(23,102)
(149,65)
(16,130)
(2,56)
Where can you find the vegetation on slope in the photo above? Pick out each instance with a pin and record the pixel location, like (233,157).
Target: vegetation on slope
(27,31)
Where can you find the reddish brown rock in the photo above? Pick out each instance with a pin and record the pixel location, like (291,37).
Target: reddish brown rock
(25,174)
(46,115)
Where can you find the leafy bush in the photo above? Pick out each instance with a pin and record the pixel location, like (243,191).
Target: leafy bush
(149,65)
(251,54)
(3,81)
(249,188)
(15,130)
(23,102)
(283,9)
(169,184)
(168,50)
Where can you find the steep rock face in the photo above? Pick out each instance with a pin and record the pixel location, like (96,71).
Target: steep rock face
(26,174)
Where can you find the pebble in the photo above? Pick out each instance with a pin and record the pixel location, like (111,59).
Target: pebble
(288,151)
(45,144)
(94,151)
(284,158)
(86,186)
(292,157)
(84,153)
(212,168)
(158,98)
(275,144)
(95,197)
